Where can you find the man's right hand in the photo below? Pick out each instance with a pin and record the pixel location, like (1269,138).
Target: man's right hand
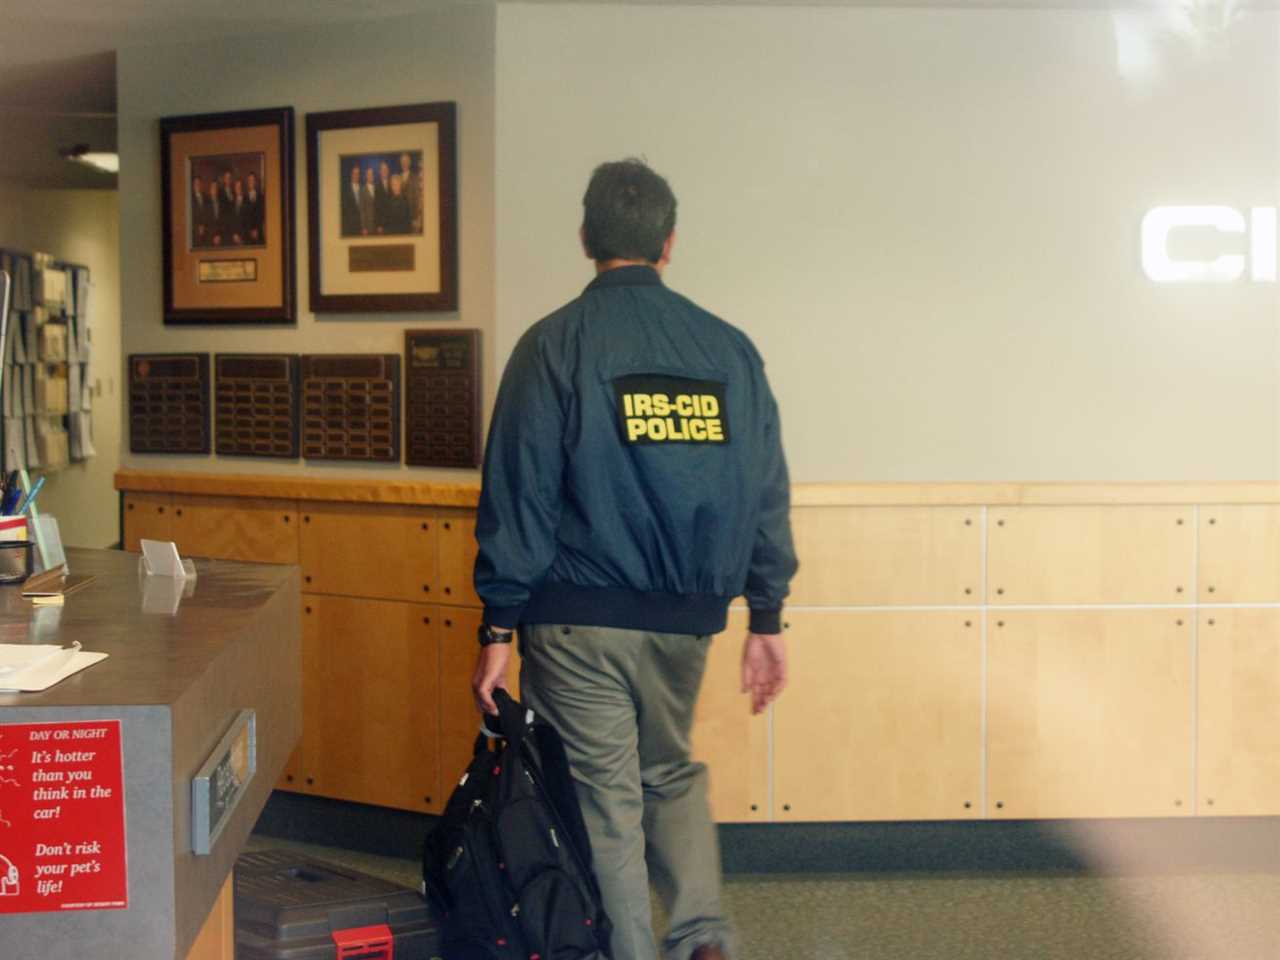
(764,668)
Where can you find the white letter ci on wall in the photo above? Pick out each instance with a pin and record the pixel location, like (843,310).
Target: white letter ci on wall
(1160,222)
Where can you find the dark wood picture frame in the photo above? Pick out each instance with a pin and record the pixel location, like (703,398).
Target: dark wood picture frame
(322,192)
(274,259)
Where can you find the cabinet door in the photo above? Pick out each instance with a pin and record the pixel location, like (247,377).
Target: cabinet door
(380,552)
(370,702)
(457,538)
(1086,555)
(882,719)
(147,516)
(235,528)
(727,738)
(1239,720)
(459,718)
(1240,554)
(887,556)
(1089,713)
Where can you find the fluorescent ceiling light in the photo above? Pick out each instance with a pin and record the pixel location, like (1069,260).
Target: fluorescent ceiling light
(98,159)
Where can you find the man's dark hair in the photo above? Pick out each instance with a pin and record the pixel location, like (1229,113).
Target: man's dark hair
(628,212)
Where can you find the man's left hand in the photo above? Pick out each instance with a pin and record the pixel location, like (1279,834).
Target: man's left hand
(491,673)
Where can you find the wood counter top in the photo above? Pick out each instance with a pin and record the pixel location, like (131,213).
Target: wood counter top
(467,494)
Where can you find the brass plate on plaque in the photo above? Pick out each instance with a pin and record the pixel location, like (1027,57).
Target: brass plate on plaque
(351,407)
(228,271)
(442,398)
(383,258)
(256,405)
(169,403)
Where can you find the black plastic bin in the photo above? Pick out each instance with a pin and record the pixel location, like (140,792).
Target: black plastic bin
(290,907)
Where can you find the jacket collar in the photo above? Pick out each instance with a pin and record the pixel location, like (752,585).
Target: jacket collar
(636,276)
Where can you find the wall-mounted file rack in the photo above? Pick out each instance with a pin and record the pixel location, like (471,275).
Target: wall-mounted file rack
(46,391)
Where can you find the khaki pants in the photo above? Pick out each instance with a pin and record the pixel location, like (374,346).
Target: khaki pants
(623,701)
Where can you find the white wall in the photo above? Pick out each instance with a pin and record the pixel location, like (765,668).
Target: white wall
(446,54)
(81,226)
(927,219)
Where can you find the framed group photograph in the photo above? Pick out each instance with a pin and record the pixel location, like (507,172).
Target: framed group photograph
(227,203)
(382,199)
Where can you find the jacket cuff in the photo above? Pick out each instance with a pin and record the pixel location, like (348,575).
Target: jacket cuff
(766,621)
(508,618)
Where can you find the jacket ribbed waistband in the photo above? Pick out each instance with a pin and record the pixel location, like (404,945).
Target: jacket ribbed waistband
(699,614)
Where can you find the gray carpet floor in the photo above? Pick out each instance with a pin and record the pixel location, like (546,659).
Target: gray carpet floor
(953,916)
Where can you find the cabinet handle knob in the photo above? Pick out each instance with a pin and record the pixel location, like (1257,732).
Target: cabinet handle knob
(288,778)
(999,804)
(179,512)
(426,620)
(286,518)
(754,808)
(427,799)
(448,623)
(308,609)
(447,525)
(424,526)
(128,506)
(426,588)
(160,509)
(786,806)
(448,590)
(308,578)
(310,781)
(306,518)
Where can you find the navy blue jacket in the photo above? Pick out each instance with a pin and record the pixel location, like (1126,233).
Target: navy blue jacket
(634,474)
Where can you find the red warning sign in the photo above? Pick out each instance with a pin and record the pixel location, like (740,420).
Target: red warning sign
(62,839)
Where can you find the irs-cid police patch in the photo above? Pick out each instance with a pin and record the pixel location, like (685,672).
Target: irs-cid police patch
(654,408)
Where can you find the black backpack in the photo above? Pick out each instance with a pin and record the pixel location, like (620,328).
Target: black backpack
(508,867)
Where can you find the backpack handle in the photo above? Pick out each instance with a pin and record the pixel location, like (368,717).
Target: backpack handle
(512,722)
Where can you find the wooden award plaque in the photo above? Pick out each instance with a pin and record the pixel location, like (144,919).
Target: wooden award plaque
(169,403)
(351,407)
(442,405)
(256,405)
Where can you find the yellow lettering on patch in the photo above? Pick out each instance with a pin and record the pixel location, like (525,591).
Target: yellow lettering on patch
(626,404)
(635,428)
(714,430)
(710,406)
(697,429)
(684,405)
(657,428)
(661,405)
(643,404)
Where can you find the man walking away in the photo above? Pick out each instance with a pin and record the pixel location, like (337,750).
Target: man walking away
(634,484)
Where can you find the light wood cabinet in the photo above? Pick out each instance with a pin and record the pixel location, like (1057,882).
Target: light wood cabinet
(1240,554)
(1084,555)
(147,516)
(456,535)
(459,718)
(233,528)
(1089,713)
(882,719)
(727,738)
(883,556)
(1239,716)
(371,690)
(379,552)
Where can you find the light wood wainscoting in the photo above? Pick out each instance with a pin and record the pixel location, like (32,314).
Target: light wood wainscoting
(958,651)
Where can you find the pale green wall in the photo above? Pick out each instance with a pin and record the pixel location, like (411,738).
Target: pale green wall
(927,219)
(446,54)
